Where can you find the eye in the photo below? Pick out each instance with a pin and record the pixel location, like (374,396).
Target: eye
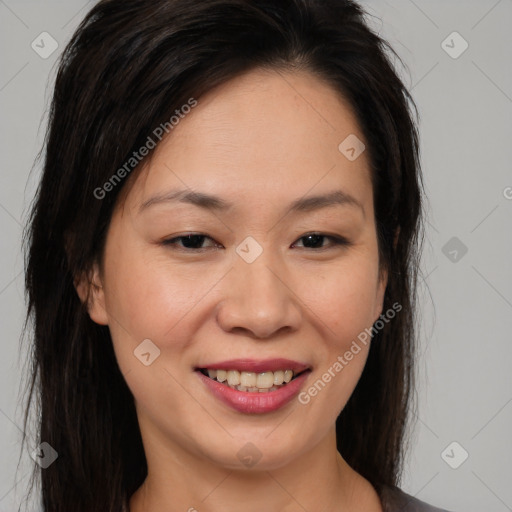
(194,242)
(191,241)
(314,241)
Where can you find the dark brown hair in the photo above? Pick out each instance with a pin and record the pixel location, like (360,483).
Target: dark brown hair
(128,67)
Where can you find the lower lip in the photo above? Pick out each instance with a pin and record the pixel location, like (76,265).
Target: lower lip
(255,402)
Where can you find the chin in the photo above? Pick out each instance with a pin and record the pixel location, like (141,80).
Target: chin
(258,453)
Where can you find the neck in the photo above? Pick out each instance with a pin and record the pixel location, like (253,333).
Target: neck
(316,480)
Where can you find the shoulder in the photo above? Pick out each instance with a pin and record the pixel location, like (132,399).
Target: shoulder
(395,500)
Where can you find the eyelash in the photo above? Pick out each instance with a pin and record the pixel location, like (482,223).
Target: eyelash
(172,242)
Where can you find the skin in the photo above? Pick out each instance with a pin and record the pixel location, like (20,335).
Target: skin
(260,142)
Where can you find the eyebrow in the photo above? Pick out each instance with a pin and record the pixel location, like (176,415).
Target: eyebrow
(215,203)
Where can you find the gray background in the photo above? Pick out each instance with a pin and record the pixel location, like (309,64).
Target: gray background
(465,384)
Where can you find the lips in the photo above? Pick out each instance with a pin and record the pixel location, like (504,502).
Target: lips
(247,400)
(261,366)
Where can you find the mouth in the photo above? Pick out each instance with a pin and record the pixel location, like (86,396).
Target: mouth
(252,382)
(254,387)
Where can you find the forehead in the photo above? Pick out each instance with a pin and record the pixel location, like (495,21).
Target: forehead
(267,134)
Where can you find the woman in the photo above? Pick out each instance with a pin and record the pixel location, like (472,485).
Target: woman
(222,261)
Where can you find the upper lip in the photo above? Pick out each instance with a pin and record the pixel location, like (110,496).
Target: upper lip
(257,366)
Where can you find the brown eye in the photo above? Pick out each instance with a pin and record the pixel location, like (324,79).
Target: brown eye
(314,241)
(192,241)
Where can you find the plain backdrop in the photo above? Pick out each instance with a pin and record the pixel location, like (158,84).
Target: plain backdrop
(460,75)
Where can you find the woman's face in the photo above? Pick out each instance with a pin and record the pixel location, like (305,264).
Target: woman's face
(254,287)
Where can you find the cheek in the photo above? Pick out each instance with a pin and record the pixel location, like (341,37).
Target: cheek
(152,298)
(342,304)
(343,300)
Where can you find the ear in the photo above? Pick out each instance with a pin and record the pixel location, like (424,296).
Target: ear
(89,288)
(381,290)
(383,282)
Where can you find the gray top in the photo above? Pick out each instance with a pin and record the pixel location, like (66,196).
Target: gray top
(393,499)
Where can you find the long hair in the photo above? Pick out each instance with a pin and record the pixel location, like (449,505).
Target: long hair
(128,67)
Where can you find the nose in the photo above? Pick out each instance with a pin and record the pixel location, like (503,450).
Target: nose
(258,301)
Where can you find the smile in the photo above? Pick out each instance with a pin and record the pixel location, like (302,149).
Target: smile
(254,387)
(251,382)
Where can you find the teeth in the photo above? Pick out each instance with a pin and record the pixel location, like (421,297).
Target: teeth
(251,381)
(233,378)
(248,379)
(278,377)
(265,380)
